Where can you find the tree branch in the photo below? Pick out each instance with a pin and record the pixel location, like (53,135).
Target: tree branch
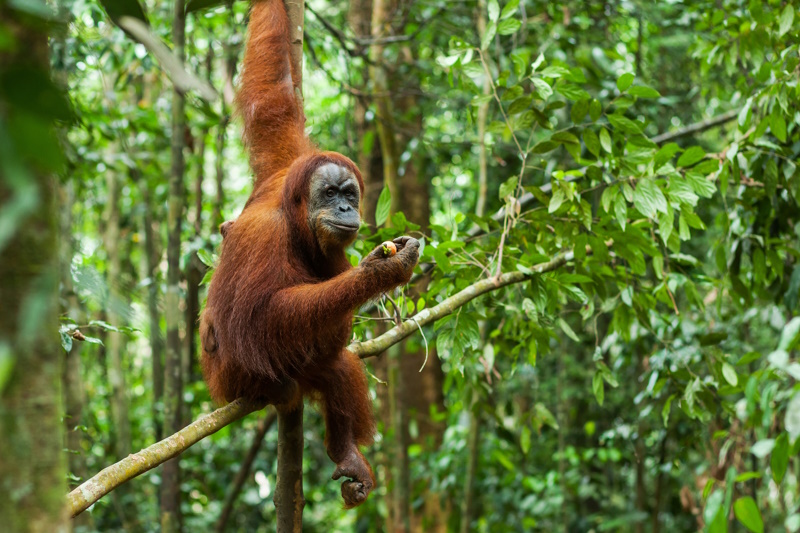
(379,344)
(138,463)
(697,127)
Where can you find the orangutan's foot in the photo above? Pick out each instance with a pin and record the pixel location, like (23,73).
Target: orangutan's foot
(360,480)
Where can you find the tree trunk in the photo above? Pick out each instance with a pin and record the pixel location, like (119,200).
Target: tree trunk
(32,465)
(152,259)
(473,450)
(483,114)
(288,498)
(115,343)
(173,380)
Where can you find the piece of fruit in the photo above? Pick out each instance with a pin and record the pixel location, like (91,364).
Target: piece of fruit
(388,248)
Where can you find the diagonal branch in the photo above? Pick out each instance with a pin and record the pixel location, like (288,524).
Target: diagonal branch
(138,463)
(379,344)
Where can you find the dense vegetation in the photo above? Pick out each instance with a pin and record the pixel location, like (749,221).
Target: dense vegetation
(645,379)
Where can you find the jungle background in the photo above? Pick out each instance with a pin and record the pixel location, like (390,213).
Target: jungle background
(646,381)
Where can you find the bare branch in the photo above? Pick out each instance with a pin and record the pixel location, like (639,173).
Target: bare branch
(138,463)
(697,127)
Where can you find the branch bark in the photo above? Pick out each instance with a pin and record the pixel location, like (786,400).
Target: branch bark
(133,465)
(377,345)
(138,463)
(697,127)
(289,499)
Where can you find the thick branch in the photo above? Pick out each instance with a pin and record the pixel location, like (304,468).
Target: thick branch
(138,463)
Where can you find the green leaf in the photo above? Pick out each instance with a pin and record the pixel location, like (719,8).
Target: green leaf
(543,88)
(568,330)
(648,198)
(643,91)
(573,92)
(666,223)
(579,110)
(595,109)
(509,9)
(206,257)
(556,200)
(792,420)
(700,185)
(525,439)
(624,81)
(691,156)
(520,104)
(605,140)
(665,153)
(488,37)
(592,143)
(747,513)
(778,124)
(665,410)
(762,448)
(624,124)
(493,9)
(729,374)
(621,211)
(508,26)
(598,387)
(747,476)
(66,341)
(508,187)
(787,18)
(779,461)
(383,207)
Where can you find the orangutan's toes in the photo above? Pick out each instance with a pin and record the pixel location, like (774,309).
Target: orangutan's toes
(354,493)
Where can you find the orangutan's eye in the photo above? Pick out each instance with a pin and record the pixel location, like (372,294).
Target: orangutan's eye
(330,192)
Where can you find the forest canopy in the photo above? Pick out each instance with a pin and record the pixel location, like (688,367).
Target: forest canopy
(602,333)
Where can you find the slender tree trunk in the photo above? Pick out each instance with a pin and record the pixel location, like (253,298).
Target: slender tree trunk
(219,149)
(173,380)
(473,449)
(483,114)
(662,456)
(561,417)
(32,465)
(381,26)
(152,259)
(115,344)
(72,381)
(289,499)
(219,201)
(195,270)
